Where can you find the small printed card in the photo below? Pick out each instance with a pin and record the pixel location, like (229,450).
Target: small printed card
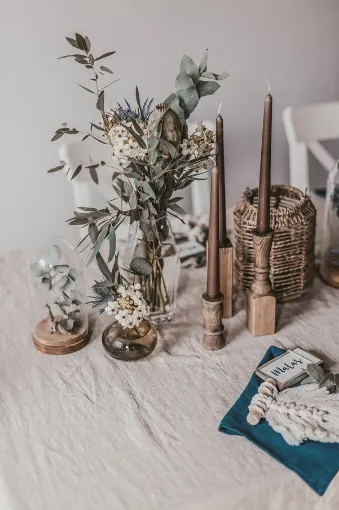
(289,368)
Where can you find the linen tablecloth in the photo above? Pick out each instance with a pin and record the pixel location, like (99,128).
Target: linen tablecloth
(85,432)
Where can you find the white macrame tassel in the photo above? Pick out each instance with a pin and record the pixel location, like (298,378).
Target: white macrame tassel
(267,392)
(299,413)
(305,412)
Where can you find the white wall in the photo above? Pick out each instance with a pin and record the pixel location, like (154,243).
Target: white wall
(292,43)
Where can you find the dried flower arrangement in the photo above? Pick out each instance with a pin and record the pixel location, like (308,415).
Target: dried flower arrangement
(153,157)
(59,280)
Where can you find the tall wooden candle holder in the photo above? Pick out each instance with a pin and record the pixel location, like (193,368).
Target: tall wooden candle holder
(261,303)
(226,277)
(214,335)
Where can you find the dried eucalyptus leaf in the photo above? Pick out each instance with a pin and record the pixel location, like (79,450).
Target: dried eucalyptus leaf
(73,42)
(98,244)
(51,255)
(69,324)
(127,188)
(146,187)
(152,156)
(94,175)
(37,270)
(141,266)
(45,284)
(176,208)
(146,229)
(106,69)
(55,169)
(76,302)
(104,55)
(81,42)
(207,74)
(62,329)
(85,88)
(315,371)
(112,243)
(203,63)
(57,136)
(207,88)
(188,99)
(133,202)
(221,76)
(73,274)
(101,101)
(76,172)
(188,66)
(57,309)
(88,44)
(61,268)
(61,282)
(183,81)
(327,381)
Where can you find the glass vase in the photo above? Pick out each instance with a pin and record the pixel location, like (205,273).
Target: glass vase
(59,316)
(129,344)
(329,265)
(161,286)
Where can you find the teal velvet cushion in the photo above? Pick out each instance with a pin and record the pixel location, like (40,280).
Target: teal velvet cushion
(316,463)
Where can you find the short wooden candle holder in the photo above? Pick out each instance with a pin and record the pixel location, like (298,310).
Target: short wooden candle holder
(261,303)
(226,278)
(57,343)
(214,333)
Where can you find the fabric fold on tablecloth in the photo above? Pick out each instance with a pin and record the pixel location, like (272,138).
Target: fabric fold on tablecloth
(316,463)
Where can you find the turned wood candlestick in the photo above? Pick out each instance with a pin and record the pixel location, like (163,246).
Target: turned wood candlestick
(214,334)
(261,303)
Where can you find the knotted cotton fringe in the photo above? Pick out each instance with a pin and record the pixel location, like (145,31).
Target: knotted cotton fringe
(301,413)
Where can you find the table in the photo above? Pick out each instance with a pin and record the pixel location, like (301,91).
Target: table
(84,432)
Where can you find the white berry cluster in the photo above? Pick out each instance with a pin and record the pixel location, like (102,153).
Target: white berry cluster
(125,147)
(129,307)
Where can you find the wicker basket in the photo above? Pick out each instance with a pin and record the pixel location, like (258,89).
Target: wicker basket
(292,258)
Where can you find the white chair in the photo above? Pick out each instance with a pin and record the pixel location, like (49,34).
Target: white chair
(305,127)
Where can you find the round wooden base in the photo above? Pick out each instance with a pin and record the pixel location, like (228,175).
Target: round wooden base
(56,343)
(332,278)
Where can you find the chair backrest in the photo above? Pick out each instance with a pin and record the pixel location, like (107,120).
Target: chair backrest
(305,127)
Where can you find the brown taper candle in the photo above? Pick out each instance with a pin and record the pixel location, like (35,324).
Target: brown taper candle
(220,161)
(213,269)
(263,215)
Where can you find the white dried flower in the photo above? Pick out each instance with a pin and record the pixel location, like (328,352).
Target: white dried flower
(129,307)
(188,147)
